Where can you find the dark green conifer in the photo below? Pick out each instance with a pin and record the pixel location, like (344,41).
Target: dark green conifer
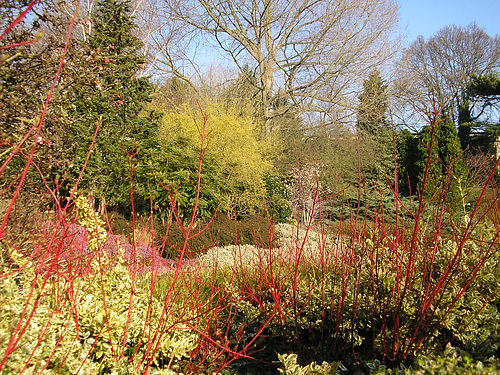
(407,153)
(373,104)
(428,164)
(450,154)
(439,166)
(107,90)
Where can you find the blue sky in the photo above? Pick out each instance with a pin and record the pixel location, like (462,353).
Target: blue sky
(426,17)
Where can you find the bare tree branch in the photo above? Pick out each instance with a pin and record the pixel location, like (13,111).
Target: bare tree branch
(304,50)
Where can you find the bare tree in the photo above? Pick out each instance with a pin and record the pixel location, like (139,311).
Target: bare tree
(310,52)
(156,28)
(440,69)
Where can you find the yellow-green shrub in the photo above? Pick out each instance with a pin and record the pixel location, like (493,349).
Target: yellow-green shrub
(233,138)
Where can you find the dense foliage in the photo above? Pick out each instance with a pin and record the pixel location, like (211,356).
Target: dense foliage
(432,163)
(373,105)
(167,179)
(231,137)
(28,66)
(486,88)
(390,295)
(107,102)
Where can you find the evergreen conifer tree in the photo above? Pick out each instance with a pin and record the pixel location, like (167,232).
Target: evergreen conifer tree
(407,150)
(107,91)
(428,164)
(486,89)
(440,161)
(450,154)
(374,129)
(373,104)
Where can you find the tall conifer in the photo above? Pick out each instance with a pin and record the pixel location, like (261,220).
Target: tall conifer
(450,154)
(107,91)
(428,163)
(374,129)
(373,104)
(440,162)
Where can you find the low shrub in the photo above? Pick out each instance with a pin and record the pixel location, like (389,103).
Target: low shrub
(292,368)
(98,321)
(448,361)
(385,295)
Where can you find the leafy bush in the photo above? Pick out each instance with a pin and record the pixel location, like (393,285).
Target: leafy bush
(277,198)
(446,362)
(232,138)
(292,368)
(96,323)
(168,181)
(379,296)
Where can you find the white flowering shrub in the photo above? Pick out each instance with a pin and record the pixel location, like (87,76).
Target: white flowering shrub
(309,247)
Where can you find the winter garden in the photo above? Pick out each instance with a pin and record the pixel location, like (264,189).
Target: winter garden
(325,201)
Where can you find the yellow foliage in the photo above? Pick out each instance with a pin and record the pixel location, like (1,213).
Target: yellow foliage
(232,137)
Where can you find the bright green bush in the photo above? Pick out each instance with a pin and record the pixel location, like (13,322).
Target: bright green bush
(168,180)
